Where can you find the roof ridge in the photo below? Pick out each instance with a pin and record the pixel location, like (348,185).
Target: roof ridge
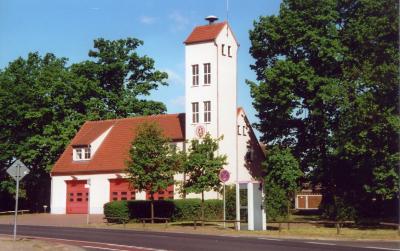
(218,23)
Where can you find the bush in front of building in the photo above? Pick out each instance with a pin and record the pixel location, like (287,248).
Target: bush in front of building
(187,209)
(177,210)
(190,209)
(230,194)
(142,209)
(116,210)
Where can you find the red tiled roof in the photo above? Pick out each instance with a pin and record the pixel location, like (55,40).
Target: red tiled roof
(205,33)
(114,151)
(88,132)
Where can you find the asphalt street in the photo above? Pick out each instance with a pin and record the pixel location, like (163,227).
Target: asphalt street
(128,240)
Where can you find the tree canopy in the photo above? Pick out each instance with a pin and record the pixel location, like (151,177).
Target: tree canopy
(153,161)
(44,101)
(202,166)
(281,181)
(328,77)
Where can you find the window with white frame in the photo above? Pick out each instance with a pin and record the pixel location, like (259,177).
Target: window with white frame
(78,153)
(244,130)
(223,49)
(229,51)
(87,152)
(207,111)
(195,75)
(82,153)
(238,130)
(207,73)
(195,112)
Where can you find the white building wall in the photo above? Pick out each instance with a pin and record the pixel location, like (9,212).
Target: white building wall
(58,198)
(221,92)
(97,142)
(226,96)
(99,192)
(243,142)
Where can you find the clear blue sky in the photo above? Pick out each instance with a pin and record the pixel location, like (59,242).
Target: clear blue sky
(67,29)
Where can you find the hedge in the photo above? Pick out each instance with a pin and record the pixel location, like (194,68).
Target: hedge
(177,210)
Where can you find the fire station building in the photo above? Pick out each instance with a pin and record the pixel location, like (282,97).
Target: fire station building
(90,172)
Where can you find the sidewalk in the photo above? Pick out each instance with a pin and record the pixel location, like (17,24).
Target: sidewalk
(64,220)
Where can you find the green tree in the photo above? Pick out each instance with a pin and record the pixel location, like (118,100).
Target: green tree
(43,102)
(202,167)
(153,161)
(328,88)
(281,181)
(124,77)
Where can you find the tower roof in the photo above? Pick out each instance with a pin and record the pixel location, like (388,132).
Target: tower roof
(205,33)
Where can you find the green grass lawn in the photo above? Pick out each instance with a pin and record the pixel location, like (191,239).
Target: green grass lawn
(296,230)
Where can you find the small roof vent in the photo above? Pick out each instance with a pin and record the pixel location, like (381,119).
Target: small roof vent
(211,19)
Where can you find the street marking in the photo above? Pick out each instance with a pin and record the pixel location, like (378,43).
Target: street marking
(111,249)
(90,242)
(268,239)
(384,248)
(321,243)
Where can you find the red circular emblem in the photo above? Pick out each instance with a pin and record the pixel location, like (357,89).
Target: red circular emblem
(200,131)
(224,175)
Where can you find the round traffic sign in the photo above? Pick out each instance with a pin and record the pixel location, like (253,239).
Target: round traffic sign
(224,175)
(200,131)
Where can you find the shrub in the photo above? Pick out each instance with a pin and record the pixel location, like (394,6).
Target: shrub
(230,193)
(213,209)
(141,209)
(177,210)
(116,209)
(187,209)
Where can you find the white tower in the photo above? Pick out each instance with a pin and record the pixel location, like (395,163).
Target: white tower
(210,83)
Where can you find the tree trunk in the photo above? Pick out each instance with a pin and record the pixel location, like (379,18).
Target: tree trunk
(152,207)
(183,186)
(202,208)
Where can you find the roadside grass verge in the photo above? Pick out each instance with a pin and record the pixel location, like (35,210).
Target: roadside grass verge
(307,231)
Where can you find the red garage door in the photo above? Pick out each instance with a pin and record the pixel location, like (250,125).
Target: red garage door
(120,189)
(77,197)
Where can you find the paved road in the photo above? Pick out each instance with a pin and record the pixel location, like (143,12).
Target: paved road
(105,239)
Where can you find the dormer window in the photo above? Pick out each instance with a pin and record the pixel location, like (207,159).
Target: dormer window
(87,153)
(81,153)
(78,154)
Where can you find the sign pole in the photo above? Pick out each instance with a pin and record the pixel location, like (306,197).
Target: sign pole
(224,177)
(16,202)
(17,171)
(224,207)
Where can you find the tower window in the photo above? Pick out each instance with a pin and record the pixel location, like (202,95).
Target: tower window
(238,130)
(195,112)
(207,73)
(223,49)
(195,75)
(207,111)
(229,51)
